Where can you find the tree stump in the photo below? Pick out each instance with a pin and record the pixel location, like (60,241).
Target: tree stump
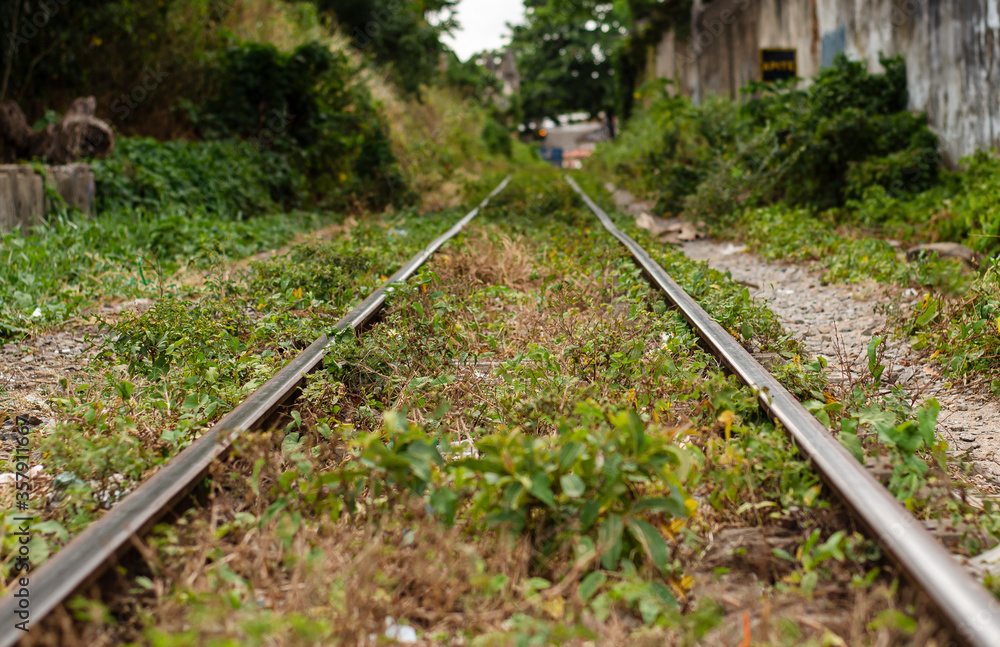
(78,134)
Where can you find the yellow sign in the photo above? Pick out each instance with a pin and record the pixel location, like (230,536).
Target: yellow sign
(777,65)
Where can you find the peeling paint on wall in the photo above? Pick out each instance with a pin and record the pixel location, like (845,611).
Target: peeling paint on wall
(951,49)
(834,42)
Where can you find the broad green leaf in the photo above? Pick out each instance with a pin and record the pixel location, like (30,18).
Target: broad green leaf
(541,489)
(445,503)
(651,541)
(512,495)
(928,314)
(572,485)
(569,453)
(590,584)
(684,462)
(51,527)
(673,505)
(874,366)
(927,416)
(610,539)
(589,514)
(852,443)
(893,619)
(663,592)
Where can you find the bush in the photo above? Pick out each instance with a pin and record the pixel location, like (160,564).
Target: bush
(815,147)
(309,106)
(218,176)
(497,138)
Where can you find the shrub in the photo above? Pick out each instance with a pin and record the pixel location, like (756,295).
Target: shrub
(309,106)
(814,147)
(218,176)
(497,138)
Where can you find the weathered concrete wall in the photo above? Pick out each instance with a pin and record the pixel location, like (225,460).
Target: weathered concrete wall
(952,52)
(22,192)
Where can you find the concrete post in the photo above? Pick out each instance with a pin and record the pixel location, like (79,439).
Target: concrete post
(23,202)
(8,209)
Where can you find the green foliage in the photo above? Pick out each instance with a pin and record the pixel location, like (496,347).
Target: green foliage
(665,150)
(75,261)
(162,375)
(221,177)
(397,34)
(310,106)
(795,234)
(584,482)
(566,54)
(497,138)
(814,147)
(471,79)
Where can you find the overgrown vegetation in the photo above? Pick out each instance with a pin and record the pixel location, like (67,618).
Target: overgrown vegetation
(281,95)
(165,372)
(528,446)
(76,263)
(278,114)
(815,147)
(829,174)
(225,178)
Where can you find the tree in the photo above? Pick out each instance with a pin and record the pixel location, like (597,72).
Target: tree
(402,34)
(568,53)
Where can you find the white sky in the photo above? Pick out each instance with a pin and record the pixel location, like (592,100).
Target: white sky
(483,25)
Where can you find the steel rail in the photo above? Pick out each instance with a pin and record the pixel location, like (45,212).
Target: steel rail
(973,611)
(86,556)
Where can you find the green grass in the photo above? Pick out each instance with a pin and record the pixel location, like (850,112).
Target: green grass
(72,263)
(162,375)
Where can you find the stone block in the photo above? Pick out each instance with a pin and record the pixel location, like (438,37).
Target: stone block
(23,203)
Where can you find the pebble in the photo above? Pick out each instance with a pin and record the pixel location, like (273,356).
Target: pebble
(839,321)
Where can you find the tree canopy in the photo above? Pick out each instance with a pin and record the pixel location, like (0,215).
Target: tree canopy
(566,52)
(406,36)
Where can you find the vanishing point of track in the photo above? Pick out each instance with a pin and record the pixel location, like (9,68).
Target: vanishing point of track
(970,608)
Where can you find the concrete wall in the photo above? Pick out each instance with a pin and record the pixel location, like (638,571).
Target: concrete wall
(23,202)
(952,52)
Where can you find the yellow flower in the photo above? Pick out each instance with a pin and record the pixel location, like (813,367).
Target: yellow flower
(691,506)
(555,607)
(297,293)
(726,418)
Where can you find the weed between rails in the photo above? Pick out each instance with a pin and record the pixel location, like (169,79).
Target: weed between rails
(529,448)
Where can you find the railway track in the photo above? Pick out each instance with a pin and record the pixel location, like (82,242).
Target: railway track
(972,611)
